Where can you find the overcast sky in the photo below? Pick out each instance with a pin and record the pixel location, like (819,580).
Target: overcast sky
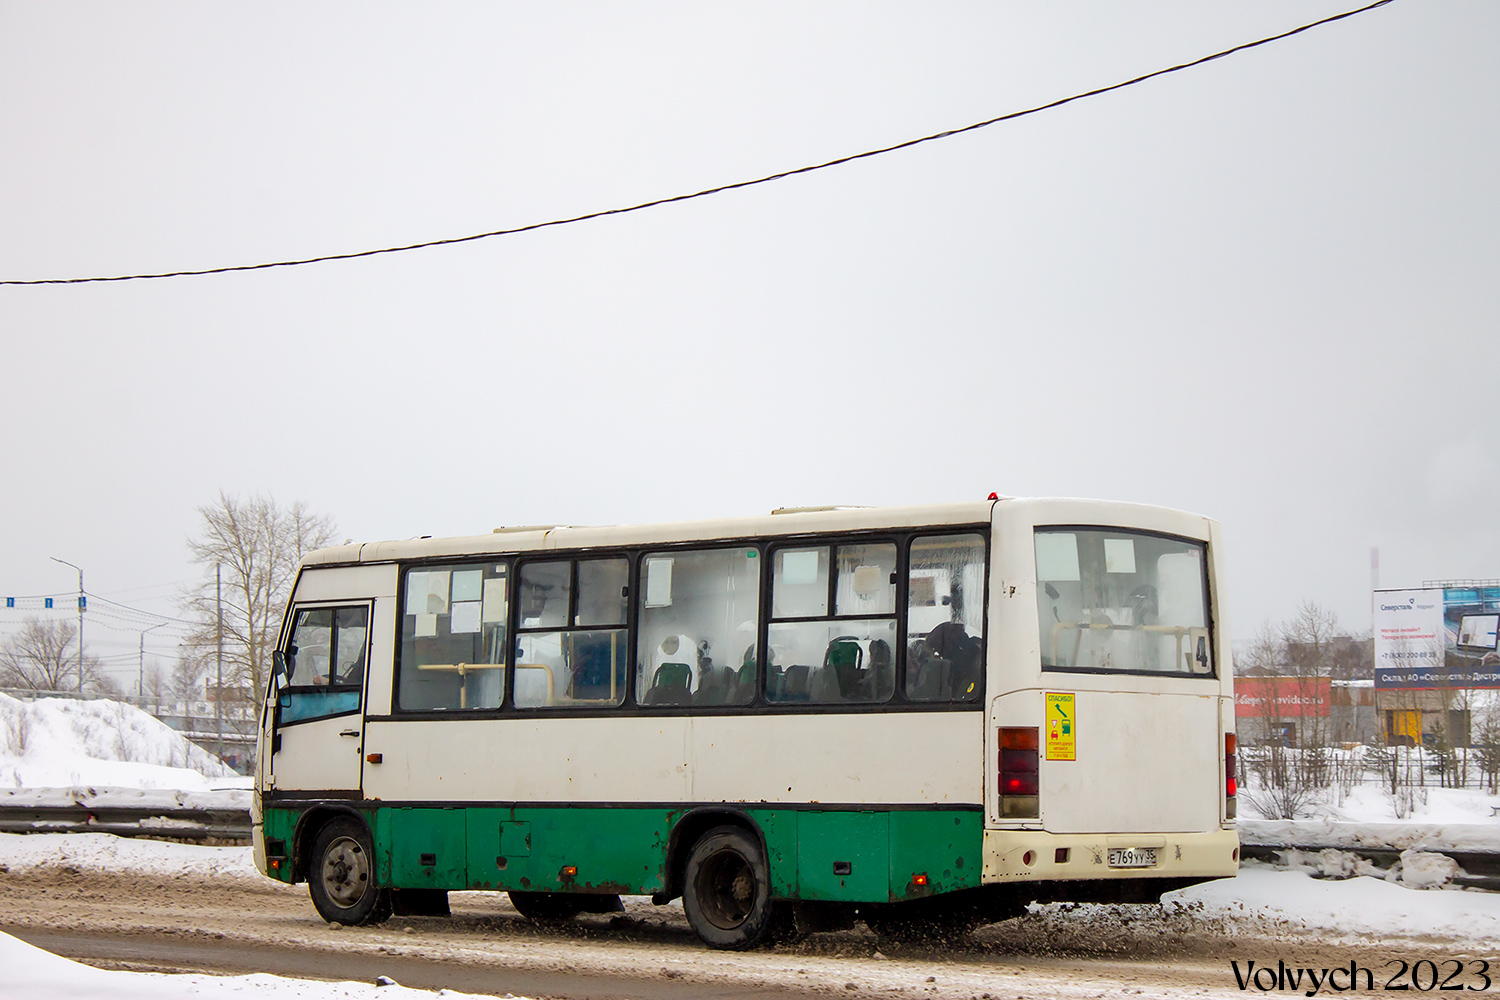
(1264,289)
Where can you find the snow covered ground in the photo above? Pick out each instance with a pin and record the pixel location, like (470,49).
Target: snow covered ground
(1440,819)
(40,975)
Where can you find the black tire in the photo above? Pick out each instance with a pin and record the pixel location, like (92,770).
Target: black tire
(545,906)
(341,877)
(727,889)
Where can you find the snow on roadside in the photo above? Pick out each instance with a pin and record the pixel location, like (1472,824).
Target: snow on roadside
(1442,819)
(65,743)
(104,852)
(1328,832)
(40,975)
(1431,804)
(1342,911)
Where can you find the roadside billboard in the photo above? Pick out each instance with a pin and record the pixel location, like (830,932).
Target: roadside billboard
(1437,638)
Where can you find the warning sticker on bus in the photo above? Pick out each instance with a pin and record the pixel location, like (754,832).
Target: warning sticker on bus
(1062,727)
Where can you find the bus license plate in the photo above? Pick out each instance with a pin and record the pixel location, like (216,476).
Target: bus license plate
(1133,857)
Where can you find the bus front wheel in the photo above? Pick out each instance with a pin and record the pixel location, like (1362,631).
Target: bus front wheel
(342,876)
(727,890)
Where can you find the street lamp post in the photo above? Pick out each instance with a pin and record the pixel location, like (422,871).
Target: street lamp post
(140,681)
(80,616)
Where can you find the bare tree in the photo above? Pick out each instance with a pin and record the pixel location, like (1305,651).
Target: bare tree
(1309,636)
(187,677)
(42,657)
(1266,653)
(156,686)
(257,545)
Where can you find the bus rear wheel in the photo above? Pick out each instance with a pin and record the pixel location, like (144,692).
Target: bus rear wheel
(342,877)
(727,890)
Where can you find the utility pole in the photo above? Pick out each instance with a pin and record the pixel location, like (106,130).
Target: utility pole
(219,658)
(81,605)
(140,681)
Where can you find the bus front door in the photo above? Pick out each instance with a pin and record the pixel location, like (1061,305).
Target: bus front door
(317,720)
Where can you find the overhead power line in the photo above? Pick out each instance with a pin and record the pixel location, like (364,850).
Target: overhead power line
(722,188)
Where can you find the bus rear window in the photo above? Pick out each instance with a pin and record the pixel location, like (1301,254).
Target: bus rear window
(1122,601)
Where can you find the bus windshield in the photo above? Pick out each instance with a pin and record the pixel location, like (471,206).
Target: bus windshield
(1123,601)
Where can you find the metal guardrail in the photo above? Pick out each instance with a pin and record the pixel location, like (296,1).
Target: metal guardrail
(128,821)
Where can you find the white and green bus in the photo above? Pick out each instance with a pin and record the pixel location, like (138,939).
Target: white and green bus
(901,715)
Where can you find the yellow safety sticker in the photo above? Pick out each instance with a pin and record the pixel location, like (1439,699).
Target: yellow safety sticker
(1062,727)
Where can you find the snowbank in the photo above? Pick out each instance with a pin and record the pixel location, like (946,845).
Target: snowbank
(1328,832)
(1441,819)
(103,852)
(32,972)
(63,743)
(1334,912)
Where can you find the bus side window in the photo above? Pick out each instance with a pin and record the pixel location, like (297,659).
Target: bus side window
(325,656)
(453,638)
(571,643)
(698,623)
(841,658)
(945,618)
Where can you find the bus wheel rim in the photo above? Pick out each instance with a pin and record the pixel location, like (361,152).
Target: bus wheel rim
(728,884)
(346,871)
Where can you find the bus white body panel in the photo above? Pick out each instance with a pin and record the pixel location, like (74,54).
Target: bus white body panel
(1134,751)
(832,759)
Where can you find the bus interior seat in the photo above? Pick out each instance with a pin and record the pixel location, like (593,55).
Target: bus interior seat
(932,679)
(713,684)
(882,663)
(845,660)
(670,685)
(823,687)
(794,682)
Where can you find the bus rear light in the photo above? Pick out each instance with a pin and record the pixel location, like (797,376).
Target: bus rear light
(1018,784)
(919,879)
(1018,767)
(1231,782)
(1020,738)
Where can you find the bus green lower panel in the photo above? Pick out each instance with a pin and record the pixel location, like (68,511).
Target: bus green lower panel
(560,850)
(946,847)
(843,855)
(779,828)
(279,825)
(814,854)
(422,848)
